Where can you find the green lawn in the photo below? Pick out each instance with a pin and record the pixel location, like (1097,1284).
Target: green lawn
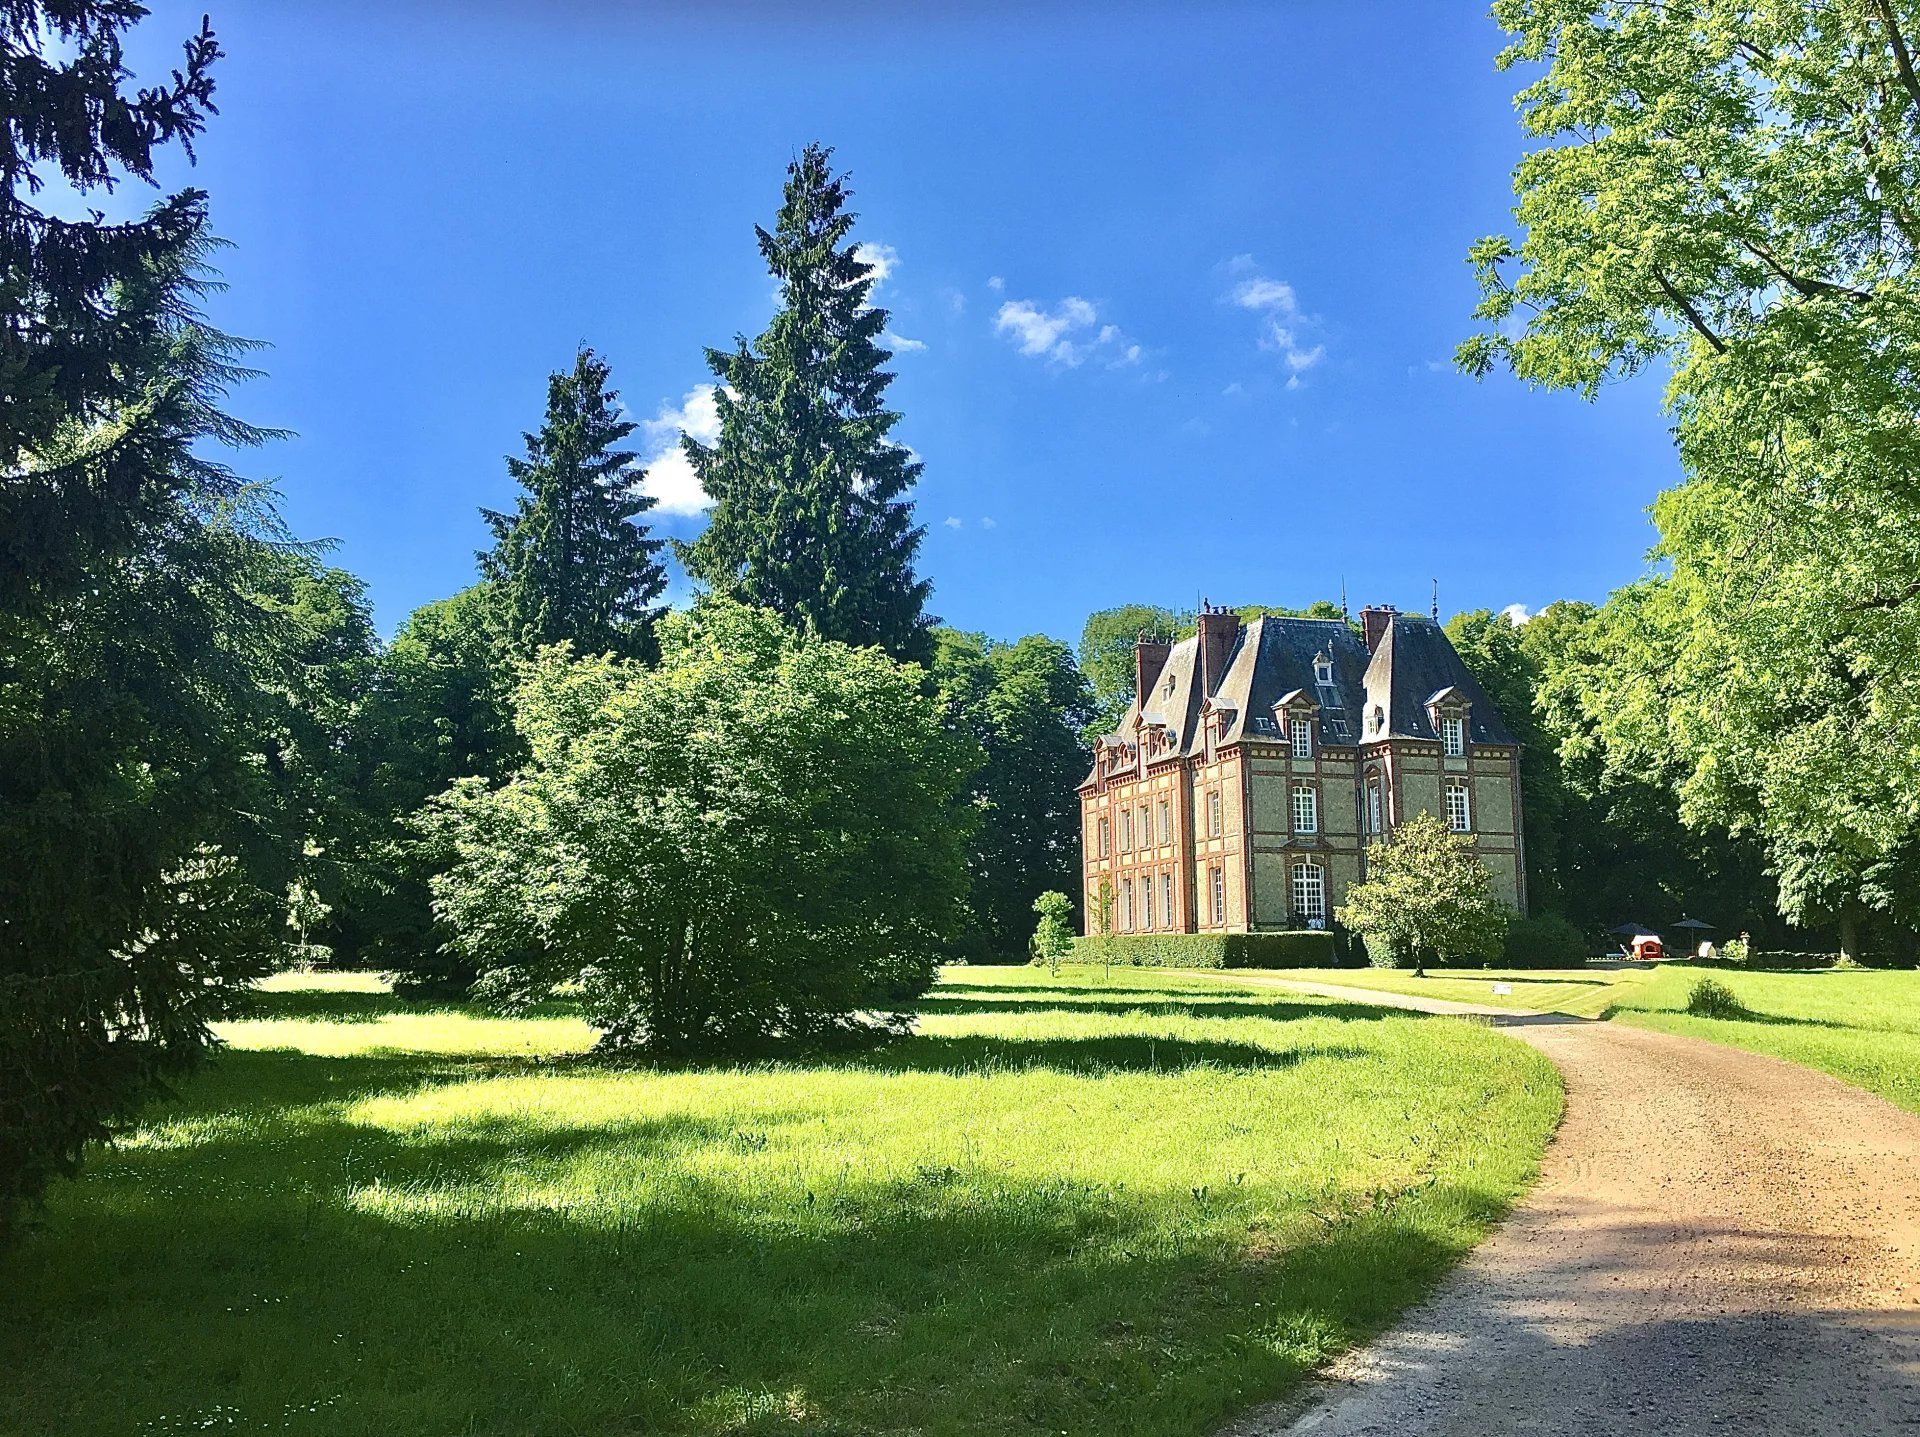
(1065,1206)
(1860,1026)
(1587,992)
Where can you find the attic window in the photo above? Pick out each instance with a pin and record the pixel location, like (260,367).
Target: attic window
(1323,670)
(1167,687)
(1453,735)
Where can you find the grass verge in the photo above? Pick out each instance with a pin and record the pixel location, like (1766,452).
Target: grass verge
(1067,1205)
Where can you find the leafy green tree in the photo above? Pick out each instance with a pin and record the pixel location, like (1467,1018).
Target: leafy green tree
(570,564)
(1733,191)
(762,839)
(1426,894)
(811,517)
(139,859)
(440,710)
(1053,934)
(1024,704)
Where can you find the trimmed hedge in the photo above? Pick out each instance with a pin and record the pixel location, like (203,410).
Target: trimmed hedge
(1298,949)
(1545,940)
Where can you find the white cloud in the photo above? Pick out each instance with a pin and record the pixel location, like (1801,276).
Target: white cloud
(953,521)
(670,477)
(1234,390)
(1282,324)
(995,283)
(882,259)
(987,521)
(1068,334)
(900,344)
(1516,614)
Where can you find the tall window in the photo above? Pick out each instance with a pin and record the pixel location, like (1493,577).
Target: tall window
(1302,731)
(1166,896)
(1146,900)
(1215,827)
(1126,829)
(1453,733)
(1217,884)
(1376,817)
(1146,833)
(1309,894)
(1306,810)
(1126,905)
(1459,808)
(1166,821)
(1106,838)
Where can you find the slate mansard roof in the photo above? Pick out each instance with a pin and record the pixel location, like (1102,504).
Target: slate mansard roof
(1372,697)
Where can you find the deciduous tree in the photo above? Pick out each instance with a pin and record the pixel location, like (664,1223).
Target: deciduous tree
(1426,894)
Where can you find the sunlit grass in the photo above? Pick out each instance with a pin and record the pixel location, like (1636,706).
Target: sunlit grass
(1583,991)
(1860,1026)
(1065,1205)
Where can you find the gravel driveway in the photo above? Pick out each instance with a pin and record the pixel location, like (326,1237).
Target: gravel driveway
(1719,1243)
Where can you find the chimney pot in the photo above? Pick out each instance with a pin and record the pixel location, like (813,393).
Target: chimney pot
(1374,621)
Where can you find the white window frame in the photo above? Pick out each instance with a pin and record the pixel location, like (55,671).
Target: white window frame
(1126,830)
(1323,671)
(1146,829)
(1166,821)
(1453,736)
(1217,887)
(1376,806)
(1309,892)
(1126,905)
(1216,814)
(1306,808)
(1460,815)
(1300,734)
(1147,906)
(1166,896)
(1106,838)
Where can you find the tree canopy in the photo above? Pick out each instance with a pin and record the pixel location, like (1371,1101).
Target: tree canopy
(1426,894)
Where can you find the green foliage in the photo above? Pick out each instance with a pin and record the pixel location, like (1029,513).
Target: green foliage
(1733,191)
(762,839)
(1300,949)
(570,564)
(811,517)
(470,1242)
(1106,654)
(1053,934)
(1735,951)
(143,686)
(1426,894)
(1024,704)
(1545,940)
(1710,998)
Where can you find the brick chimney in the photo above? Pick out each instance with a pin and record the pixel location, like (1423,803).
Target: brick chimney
(1373,623)
(1218,629)
(1149,658)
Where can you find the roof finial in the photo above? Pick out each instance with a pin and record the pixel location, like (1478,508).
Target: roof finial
(1436,601)
(1343,600)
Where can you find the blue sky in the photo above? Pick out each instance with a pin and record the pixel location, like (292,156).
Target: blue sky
(1182,283)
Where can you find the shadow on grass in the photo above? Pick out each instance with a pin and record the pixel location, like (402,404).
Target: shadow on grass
(1091,1056)
(1280,1009)
(326,1276)
(319,1005)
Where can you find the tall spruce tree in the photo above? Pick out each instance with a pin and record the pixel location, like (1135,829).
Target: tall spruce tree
(570,564)
(141,683)
(811,517)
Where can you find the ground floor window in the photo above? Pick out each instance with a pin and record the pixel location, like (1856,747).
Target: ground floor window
(1146,899)
(1166,895)
(1459,808)
(1309,894)
(1217,883)
(1126,905)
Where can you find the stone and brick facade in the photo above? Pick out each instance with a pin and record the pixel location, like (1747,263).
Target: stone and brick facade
(1258,762)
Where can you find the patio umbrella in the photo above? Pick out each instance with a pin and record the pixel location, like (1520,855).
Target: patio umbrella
(1632,930)
(1693,923)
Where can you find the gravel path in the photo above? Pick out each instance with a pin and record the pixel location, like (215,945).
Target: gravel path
(1719,1243)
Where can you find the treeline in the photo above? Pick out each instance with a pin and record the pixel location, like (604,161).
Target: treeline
(768,816)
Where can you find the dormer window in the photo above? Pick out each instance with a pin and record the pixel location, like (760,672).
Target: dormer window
(1453,735)
(1323,670)
(1300,734)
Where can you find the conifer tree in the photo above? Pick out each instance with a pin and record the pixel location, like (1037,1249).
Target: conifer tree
(811,517)
(569,564)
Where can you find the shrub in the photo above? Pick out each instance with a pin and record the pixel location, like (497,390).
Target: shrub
(1296,949)
(1734,951)
(1544,941)
(1426,893)
(1711,998)
(761,839)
